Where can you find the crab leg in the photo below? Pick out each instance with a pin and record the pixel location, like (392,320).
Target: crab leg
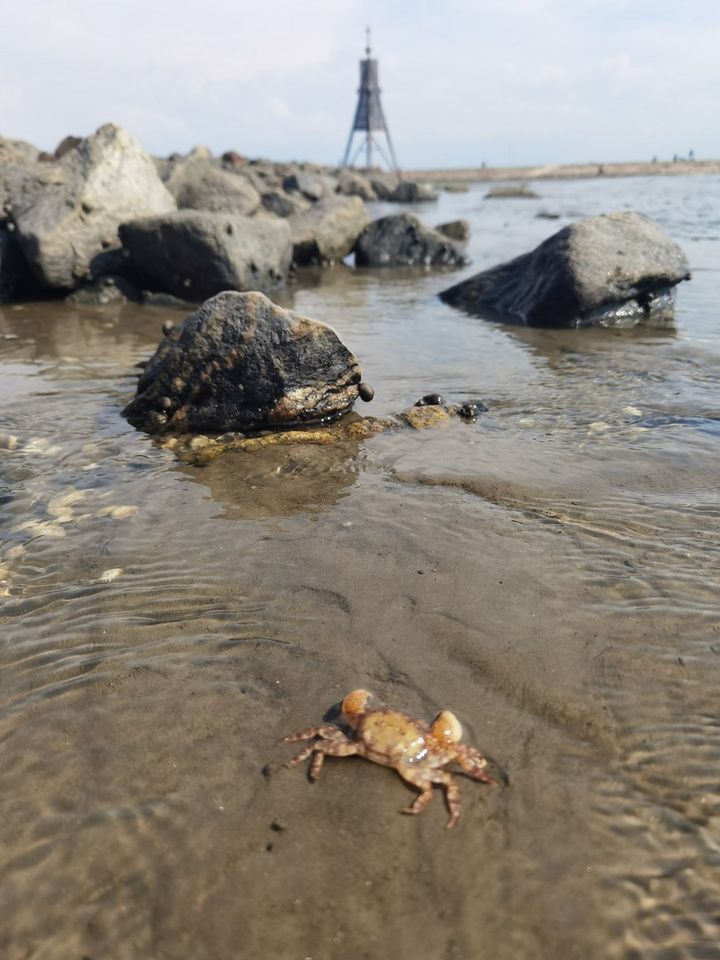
(327,731)
(452,796)
(472,763)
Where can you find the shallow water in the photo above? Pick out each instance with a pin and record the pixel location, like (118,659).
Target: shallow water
(549,572)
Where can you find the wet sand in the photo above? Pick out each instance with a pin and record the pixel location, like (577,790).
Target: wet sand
(550,573)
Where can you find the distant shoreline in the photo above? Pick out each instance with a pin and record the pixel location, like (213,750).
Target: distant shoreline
(573,171)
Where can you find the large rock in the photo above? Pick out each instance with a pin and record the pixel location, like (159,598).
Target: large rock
(67,221)
(197,184)
(194,254)
(403,240)
(328,231)
(242,363)
(614,270)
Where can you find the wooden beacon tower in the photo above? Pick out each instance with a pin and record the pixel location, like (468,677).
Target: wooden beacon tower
(369,118)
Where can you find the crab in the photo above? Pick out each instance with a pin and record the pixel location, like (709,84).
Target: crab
(417,750)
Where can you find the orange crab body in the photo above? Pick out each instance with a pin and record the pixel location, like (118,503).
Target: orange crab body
(417,750)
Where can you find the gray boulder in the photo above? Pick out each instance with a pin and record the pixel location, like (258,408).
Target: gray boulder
(311,185)
(197,184)
(17,151)
(195,254)
(242,363)
(283,204)
(328,231)
(411,191)
(350,183)
(458,230)
(614,270)
(403,240)
(67,220)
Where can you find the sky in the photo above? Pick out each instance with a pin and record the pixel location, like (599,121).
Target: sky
(505,82)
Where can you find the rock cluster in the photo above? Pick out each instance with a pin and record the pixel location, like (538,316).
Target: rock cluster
(98,216)
(618,269)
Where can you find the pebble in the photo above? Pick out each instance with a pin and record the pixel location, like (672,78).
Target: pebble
(43,528)
(61,507)
(118,512)
(431,400)
(168,327)
(366,392)
(471,409)
(107,576)
(197,443)
(8,441)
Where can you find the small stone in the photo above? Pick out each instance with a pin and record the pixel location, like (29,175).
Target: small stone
(165,403)
(168,327)
(8,441)
(197,443)
(431,400)
(366,392)
(472,409)
(107,576)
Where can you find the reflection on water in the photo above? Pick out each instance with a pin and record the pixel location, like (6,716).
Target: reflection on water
(549,571)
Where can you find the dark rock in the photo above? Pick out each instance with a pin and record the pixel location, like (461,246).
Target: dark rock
(383,187)
(242,363)
(69,216)
(366,392)
(614,270)
(458,230)
(193,254)
(197,184)
(328,231)
(510,190)
(410,191)
(431,400)
(14,274)
(283,205)
(104,291)
(471,409)
(547,215)
(233,159)
(65,146)
(352,184)
(403,240)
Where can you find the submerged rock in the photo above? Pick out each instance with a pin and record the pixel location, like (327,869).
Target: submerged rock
(328,231)
(508,191)
(613,270)
(242,363)
(67,220)
(402,239)
(411,191)
(194,254)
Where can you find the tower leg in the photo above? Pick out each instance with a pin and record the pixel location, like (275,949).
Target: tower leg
(347,148)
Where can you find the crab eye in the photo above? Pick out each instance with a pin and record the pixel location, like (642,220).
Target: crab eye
(446,727)
(353,706)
